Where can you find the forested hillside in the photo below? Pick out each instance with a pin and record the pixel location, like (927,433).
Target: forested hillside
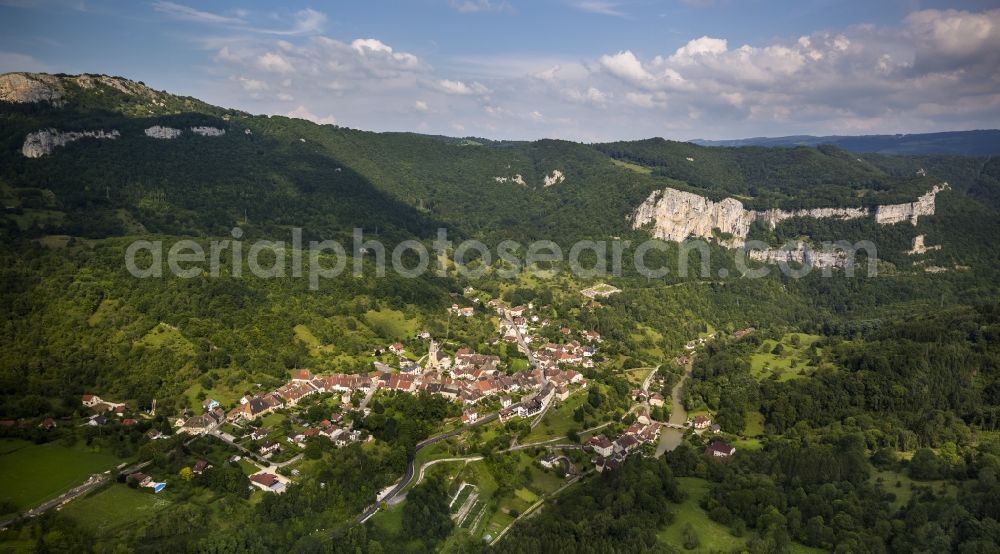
(863,408)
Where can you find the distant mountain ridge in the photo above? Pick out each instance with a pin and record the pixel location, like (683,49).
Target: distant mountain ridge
(966,143)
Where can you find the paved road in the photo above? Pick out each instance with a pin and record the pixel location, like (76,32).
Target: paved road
(423,468)
(90,484)
(523,346)
(409,473)
(368,398)
(649,378)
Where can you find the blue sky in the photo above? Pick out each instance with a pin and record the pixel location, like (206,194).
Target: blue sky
(575,69)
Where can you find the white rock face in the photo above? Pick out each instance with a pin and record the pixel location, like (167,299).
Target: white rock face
(676,215)
(553,178)
(516,179)
(159,132)
(775,216)
(802,254)
(208,131)
(41,87)
(911,211)
(24,88)
(43,142)
(920,248)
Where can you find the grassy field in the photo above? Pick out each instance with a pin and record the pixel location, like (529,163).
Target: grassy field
(106,307)
(714,537)
(764,364)
(32,473)
(558,420)
(219,392)
(391,324)
(633,167)
(167,336)
(114,507)
(904,491)
(755,424)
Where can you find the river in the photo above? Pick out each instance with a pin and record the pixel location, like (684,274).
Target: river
(670,438)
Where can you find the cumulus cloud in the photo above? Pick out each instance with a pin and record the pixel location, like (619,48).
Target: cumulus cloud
(933,70)
(274,63)
(302,112)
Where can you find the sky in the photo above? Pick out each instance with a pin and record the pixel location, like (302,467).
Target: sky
(586,70)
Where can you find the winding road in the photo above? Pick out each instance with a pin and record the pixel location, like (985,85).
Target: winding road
(409,474)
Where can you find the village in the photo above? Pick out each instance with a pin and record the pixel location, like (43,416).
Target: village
(464,377)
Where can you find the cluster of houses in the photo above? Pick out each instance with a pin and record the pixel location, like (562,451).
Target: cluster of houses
(514,325)
(610,454)
(469,379)
(102,409)
(654,399)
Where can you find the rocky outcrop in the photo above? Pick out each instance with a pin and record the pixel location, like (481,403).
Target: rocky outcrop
(209,131)
(159,132)
(801,253)
(920,248)
(26,88)
(676,215)
(516,179)
(553,178)
(911,211)
(775,216)
(672,214)
(43,142)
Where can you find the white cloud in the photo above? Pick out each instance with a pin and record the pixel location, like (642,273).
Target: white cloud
(252,85)
(689,53)
(307,21)
(178,11)
(449,86)
(935,69)
(302,112)
(626,66)
(274,63)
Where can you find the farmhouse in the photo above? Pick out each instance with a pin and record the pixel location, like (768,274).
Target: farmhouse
(701,422)
(719,449)
(267,482)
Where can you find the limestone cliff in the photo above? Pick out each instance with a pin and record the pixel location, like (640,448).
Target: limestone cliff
(672,214)
(676,215)
(554,178)
(208,131)
(25,88)
(911,211)
(159,132)
(43,142)
(802,254)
